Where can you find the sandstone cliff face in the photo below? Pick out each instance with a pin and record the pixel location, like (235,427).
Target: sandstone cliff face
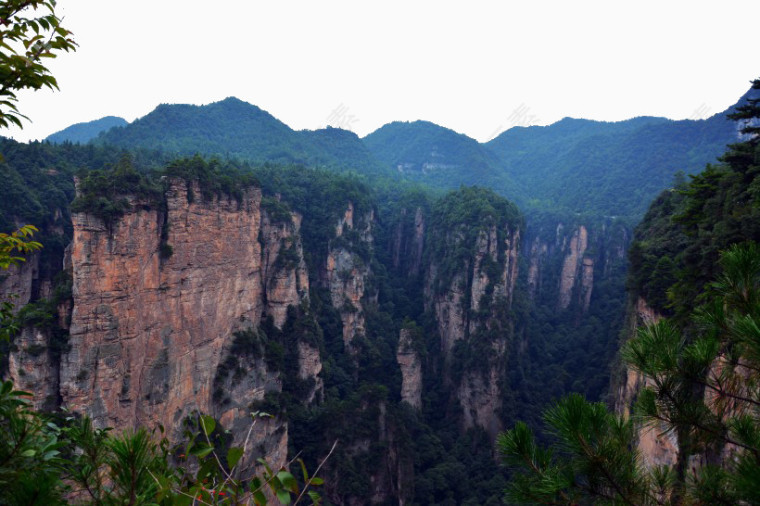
(347,273)
(18,281)
(449,308)
(474,306)
(309,367)
(657,446)
(480,397)
(572,266)
(411,370)
(286,283)
(149,332)
(32,368)
(581,255)
(475,282)
(640,315)
(30,365)
(538,251)
(286,280)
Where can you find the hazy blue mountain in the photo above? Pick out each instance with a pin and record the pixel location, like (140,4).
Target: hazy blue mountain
(84,132)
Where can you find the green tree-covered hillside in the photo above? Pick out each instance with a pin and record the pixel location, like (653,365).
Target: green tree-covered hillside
(232,128)
(425,152)
(612,169)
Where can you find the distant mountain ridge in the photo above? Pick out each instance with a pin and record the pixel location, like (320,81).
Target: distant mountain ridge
(236,129)
(84,132)
(609,168)
(573,166)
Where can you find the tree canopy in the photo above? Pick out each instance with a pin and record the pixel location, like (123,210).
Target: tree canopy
(26,41)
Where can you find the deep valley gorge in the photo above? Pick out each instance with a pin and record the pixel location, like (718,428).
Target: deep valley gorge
(409,295)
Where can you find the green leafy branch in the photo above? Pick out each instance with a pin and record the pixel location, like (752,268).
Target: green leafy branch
(24,42)
(18,241)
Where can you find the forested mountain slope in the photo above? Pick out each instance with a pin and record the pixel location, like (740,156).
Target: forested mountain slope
(573,166)
(613,169)
(235,129)
(425,152)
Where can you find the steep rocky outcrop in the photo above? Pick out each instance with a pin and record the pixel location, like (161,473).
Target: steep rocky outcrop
(564,263)
(347,272)
(33,369)
(492,287)
(449,308)
(309,368)
(148,332)
(657,446)
(469,289)
(16,284)
(411,369)
(487,278)
(571,267)
(286,280)
(639,313)
(481,399)
(159,298)
(538,251)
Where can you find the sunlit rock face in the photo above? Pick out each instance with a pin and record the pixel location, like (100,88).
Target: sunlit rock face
(157,298)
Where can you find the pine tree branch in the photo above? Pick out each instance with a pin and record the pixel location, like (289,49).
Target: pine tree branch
(721,391)
(594,459)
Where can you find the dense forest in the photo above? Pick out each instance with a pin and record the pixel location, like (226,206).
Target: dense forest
(539,168)
(533,341)
(695,263)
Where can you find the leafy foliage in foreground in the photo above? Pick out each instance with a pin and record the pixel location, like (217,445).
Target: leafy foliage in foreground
(27,42)
(46,459)
(51,460)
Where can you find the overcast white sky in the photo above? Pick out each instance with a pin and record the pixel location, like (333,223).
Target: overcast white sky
(476,67)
